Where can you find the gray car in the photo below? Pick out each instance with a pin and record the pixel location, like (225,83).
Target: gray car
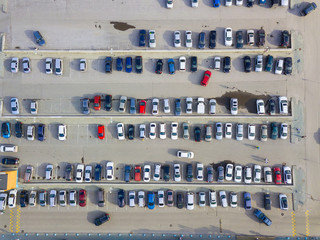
(85,106)
(133,106)
(220,174)
(69,172)
(101,200)
(185,128)
(210,174)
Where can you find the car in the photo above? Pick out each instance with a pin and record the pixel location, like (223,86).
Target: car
(182,63)
(110,170)
(122,106)
(247,175)
(146,173)
(194,3)
(62,132)
(142,106)
(127,173)
(287,177)
(97,172)
(238,174)
(132,109)
(6,130)
(170,198)
(189,173)
(97,103)
(49,65)
(190,200)
(101,198)
(227,65)
(189,105)
(73,198)
(269,64)
(277,175)
(308,9)
(267,201)
(219,131)
(157,172)
(30,132)
(247,64)
(174,130)
(166,105)
(52,198)
(260,106)
(228,130)
(33,198)
(201,107)
(212,39)
(49,171)
(24,198)
(120,131)
(151,200)
(263,133)
(128,64)
(12,198)
(39,39)
(212,199)
(139,64)
(62,198)
(14,65)
(205,79)
(188,39)
(131,198)
(180,200)
(239,132)
(119,64)
(33,107)
(239,39)
(8,148)
(250,37)
(26,65)
(137,173)
(200,171)
(162,131)
(197,134)
(108,66)
(185,129)
(58,66)
(101,132)
(194,64)
(283,105)
(41,132)
(83,65)
(228,37)
(283,131)
(285,38)
(259,63)
(202,40)
(82,198)
(208,133)
(69,172)
(279,66)
(142,38)
(121,196)
(283,199)
(152,39)
(100,220)
(79,173)
(261,37)
(161,198)
(233,199)
(250,3)
(10,161)
(155,106)
(209,174)
(141,201)
(177,39)
(171,66)
(287,65)
(216,3)
(202,199)
(142,131)
(257,173)
(234,106)
(263,2)
(217,63)
(185,154)
(267,174)
(159,66)
(271,107)
(169,4)
(212,106)
(85,106)
(223,199)
(229,172)
(131,132)
(251,132)
(220,171)
(260,215)
(28,173)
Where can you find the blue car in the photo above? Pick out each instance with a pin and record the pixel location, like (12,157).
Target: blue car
(119,64)
(151,200)
(6,130)
(97,172)
(142,38)
(171,66)
(178,107)
(262,2)
(39,38)
(216,3)
(247,201)
(129,64)
(133,106)
(41,129)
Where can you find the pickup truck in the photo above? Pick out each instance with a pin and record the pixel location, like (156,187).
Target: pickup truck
(260,215)
(201,106)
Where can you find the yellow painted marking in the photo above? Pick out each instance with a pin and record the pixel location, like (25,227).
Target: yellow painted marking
(18,219)
(307,223)
(11,220)
(293,220)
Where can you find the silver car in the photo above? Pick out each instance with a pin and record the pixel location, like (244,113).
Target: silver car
(208,133)
(122,106)
(185,127)
(212,106)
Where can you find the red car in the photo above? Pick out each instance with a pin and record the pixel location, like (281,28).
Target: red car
(101,132)
(277,175)
(137,173)
(142,106)
(206,77)
(97,103)
(82,198)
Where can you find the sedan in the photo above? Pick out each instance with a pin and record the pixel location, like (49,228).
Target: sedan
(26,65)
(287,177)
(171,66)
(189,105)
(277,175)
(174,131)
(12,198)
(120,130)
(137,173)
(206,77)
(185,154)
(247,201)
(177,172)
(159,66)
(272,107)
(162,132)
(153,133)
(146,173)
(139,64)
(152,39)
(188,39)
(155,106)
(288,65)
(202,40)
(267,174)
(128,64)
(228,130)
(28,173)
(284,131)
(223,199)
(238,174)
(228,37)
(233,200)
(285,38)
(14,106)
(14,64)
(219,131)
(157,171)
(251,131)
(259,63)
(229,172)
(119,64)
(142,38)
(212,39)
(142,106)
(110,171)
(234,106)
(122,106)
(194,64)
(239,39)
(100,220)
(6,131)
(260,107)
(185,129)
(202,199)
(197,134)
(101,132)
(182,63)
(49,65)
(121,202)
(283,199)
(177,39)
(257,173)
(212,106)
(247,64)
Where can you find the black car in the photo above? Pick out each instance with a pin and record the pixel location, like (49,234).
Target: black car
(247,64)
(18,129)
(159,66)
(121,195)
(212,39)
(100,220)
(139,64)
(41,129)
(108,64)
(288,65)
(197,134)
(250,3)
(189,172)
(10,161)
(202,40)
(166,172)
(272,107)
(227,64)
(180,200)
(261,38)
(142,38)
(24,199)
(267,201)
(194,64)
(69,172)
(285,38)
(119,65)
(239,39)
(108,103)
(308,9)
(97,172)
(131,132)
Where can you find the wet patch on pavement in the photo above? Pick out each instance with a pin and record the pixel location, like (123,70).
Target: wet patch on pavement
(122,26)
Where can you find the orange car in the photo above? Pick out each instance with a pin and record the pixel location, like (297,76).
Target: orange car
(137,173)
(97,103)
(101,132)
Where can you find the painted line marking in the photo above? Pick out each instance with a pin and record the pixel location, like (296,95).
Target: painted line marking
(293,219)
(307,223)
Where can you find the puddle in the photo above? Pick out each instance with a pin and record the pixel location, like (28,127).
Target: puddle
(122,26)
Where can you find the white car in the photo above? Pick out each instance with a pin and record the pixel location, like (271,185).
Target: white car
(30,132)
(200,171)
(12,199)
(283,105)
(120,131)
(239,2)
(238,174)
(83,65)
(49,65)
(177,172)
(152,132)
(233,200)
(284,3)
(190,200)
(155,106)
(279,66)
(208,133)
(58,66)
(217,63)
(287,177)
(260,107)
(146,173)
(62,198)
(228,3)
(259,63)
(14,64)
(247,175)
(169,4)
(257,173)
(267,174)
(201,107)
(3,202)
(142,132)
(62,132)
(283,131)
(166,105)
(202,199)
(219,131)
(141,201)
(174,131)
(79,173)
(132,196)
(185,154)
(162,132)
(123,102)
(212,106)
(188,39)
(52,198)
(228,37)
(152,39)
(177,39)
(157,172)
(73,198)
(228,130)
(189,105)
(49,171)
(110,170)
(213,199)
(182,63)
(223,199)
(14,106)
(185,129)
(283,199)
(250,37)
(26,65)
(239,132)
(251,131)
(194,3)
(87,173)
(234,106)
(161,198)
(33,199)
(264,133)
(229,172)
(33,107)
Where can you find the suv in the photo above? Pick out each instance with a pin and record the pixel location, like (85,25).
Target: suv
(108,64)
(308,9)
(261,38)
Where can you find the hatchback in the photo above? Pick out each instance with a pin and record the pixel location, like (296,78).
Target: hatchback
(212,39)
(97,103)
(119,64)
(171,66)
(206,78)
(202,40)
(49,65)
(85,106)
(159,66)
(6,130)
(39,39)
(83,65)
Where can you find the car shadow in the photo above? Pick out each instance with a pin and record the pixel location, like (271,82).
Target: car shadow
(208,3)
(75,63)
(297,8)
(98,64)
(134,38)
(7,65)
(168,36)
(29,34)
(274,38)
(220,35)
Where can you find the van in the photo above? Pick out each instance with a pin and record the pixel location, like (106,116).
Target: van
(101,199)
(59,66)
(9,148)
(127,171)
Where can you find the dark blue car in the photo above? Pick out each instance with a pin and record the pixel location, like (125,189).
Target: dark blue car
(171,66)
(6,130)
(151,200)
(97,172)
(142,38)
(39,38)
(129,64)
(178,107)
(41,129)
(119,64)
(216,3)
(108,64)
